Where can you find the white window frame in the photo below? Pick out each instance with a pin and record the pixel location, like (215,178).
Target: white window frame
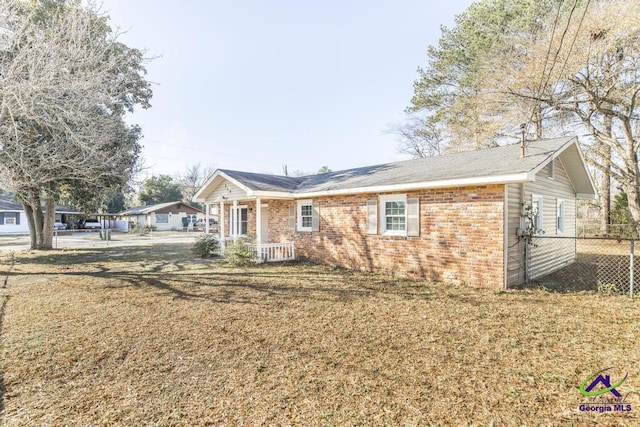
(383,214)
(539,218)
(235,220)
(560,215)
(301,203)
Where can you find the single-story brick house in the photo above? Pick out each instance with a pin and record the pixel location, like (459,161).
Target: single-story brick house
(163,216)
(453,218)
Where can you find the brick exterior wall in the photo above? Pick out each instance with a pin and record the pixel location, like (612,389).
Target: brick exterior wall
(461,236)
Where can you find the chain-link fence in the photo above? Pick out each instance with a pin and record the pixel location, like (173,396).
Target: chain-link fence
(598,264)
(594,229)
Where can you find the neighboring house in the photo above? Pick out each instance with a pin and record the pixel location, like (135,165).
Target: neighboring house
(164,216)
(13,219)
(453,218)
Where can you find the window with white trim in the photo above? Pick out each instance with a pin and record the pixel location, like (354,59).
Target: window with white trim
(162,218)
(305,215)
(551,169)
(9,218)
(537,211)
(238,221)
(560,216)
(393,214)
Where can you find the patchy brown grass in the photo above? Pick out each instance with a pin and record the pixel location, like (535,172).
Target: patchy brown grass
(126,336)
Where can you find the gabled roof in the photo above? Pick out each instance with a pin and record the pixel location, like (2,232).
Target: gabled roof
(8,203)
(497,165)
(147,209)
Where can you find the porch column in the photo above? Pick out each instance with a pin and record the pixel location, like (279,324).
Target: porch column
(206,219)
(258,225)
(234,220)
(221,223)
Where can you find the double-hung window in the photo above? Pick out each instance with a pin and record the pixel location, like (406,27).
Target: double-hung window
(393,214)
(305,215)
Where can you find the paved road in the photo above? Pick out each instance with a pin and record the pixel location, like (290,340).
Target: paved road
(92,239)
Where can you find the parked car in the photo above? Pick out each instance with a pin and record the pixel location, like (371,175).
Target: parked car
(90,224)
(59,226)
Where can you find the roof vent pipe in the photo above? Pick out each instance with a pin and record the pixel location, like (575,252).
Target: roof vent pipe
(523,146)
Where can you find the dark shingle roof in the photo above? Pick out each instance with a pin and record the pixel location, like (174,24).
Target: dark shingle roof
(143,210)
(490,162)
(8,203)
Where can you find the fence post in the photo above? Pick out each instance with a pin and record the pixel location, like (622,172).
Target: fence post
(631,270)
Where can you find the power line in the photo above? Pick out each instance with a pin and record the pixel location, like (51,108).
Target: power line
(573,42)
(541,86)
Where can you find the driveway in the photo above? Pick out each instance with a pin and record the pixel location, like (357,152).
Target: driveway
(85,239)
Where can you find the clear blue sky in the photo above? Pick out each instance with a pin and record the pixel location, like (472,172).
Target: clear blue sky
(253,85)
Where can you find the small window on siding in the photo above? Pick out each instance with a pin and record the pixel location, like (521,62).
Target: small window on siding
(551,169)
(11,218)
(162,218)
(560,216)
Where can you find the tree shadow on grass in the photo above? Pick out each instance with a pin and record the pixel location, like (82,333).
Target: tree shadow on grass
(3,388)
(261,284)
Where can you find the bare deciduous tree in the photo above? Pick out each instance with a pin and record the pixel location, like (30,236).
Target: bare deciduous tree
(192,179)
(595,80)
(65,85)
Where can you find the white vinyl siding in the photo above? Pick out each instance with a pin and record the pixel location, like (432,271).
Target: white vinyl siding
(544,261)
(226,191)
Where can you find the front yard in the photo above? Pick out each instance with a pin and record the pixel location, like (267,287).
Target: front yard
(140,336)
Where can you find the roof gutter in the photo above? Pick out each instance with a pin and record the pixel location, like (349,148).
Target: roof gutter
(462,182)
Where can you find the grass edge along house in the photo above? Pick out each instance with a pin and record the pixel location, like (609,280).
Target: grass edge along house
(455,217)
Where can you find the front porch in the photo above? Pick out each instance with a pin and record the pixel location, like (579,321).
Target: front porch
(241,218)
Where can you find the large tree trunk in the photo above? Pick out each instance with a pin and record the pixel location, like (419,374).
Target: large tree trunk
(40,223)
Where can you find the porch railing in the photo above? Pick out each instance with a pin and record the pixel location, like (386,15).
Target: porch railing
(267,252)
(274,252)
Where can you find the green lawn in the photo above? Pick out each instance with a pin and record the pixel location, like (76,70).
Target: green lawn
(151,336)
